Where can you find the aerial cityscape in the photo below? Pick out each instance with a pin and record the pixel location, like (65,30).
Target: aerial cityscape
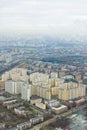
(43,65)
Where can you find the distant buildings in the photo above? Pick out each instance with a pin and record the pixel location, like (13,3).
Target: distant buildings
(14,74)
(5,76)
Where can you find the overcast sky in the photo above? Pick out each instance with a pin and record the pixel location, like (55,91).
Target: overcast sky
(54,17)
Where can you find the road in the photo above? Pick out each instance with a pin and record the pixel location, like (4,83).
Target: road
(37,127)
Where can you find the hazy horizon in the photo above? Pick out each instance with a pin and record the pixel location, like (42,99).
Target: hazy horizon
(62,19)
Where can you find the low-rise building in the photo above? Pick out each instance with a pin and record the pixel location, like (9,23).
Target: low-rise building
(58,110)
(12,106)
(20,111)
(35,99)
(36,120)
(41,105)
(53,103)
(5,103)
(2,126)
(24,126)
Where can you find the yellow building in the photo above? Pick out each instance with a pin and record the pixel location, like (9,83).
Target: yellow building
(71,91)
(54,91)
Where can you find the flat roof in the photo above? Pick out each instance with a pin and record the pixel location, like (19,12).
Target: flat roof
(58,108)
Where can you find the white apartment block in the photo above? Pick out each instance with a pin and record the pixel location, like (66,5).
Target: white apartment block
(13,87)
(26,92)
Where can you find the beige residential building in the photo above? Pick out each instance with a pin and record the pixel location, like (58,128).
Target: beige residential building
(14,74)
(54,91)
(54,75)
(71,91)
(46,87)
(5,76)
(41,105)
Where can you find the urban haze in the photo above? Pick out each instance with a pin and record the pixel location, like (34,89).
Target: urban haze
(43,65)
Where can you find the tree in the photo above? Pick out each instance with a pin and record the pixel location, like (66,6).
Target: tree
(41,129)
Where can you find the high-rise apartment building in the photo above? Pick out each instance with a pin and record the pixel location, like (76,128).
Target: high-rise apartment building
(26,92)
(71,91)
(13,87)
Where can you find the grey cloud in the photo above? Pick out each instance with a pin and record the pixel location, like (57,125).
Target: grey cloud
(43,16)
